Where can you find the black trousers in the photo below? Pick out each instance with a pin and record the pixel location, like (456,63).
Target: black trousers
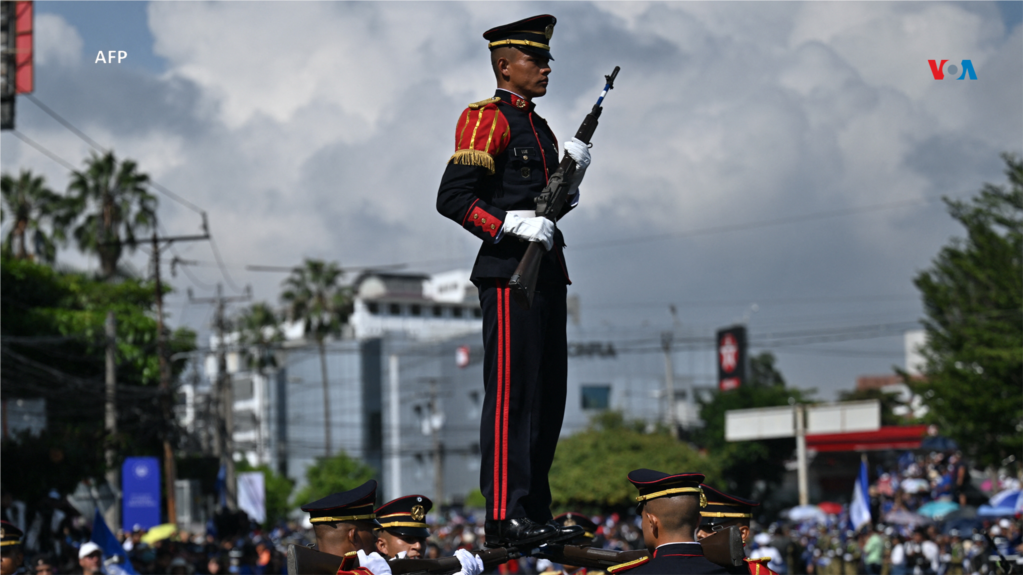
(525,369)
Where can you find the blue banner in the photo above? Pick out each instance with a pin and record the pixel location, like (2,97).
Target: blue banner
(140,483)
(102,536)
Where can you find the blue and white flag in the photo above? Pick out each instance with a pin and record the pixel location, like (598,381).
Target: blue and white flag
(116,559)
(859,509)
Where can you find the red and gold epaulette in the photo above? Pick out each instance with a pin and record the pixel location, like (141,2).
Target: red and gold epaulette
(758,566)
(482,133)
(348,567)
(622,567)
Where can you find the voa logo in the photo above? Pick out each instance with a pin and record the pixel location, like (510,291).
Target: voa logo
(942,72)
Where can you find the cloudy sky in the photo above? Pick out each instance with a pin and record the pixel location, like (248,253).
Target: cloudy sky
(787,155)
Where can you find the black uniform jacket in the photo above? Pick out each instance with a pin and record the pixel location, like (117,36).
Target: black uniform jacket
(504,155)
(672,558)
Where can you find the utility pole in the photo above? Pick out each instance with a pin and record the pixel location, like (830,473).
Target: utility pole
(224,394)
(804,491)
(113,515)
(669,381)
(436,422)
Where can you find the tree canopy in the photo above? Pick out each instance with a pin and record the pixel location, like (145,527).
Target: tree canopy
(973,305)
(590,467)
(333,474)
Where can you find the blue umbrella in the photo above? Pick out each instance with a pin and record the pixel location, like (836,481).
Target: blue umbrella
(937,509)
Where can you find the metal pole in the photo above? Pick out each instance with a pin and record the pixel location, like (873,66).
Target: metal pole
(804,495)
(113,515)
(170,473)
(438,456)
(394,414)
(226,414)
(669,382)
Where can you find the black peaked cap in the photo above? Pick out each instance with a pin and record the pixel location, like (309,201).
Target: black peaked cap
(653,484)
(724,508)
(10,534)
(405,516)
(530,35)
(353,505)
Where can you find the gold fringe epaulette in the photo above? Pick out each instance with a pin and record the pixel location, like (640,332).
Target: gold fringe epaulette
(473,158)
(627,565)
(481,103)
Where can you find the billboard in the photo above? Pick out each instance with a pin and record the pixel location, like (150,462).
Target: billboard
(731,357)
(140,483)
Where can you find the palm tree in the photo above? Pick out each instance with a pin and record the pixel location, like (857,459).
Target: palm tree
(315,298)
(29,201)
(259,332)
(113,197)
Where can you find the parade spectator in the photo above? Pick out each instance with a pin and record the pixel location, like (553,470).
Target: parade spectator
(90,559)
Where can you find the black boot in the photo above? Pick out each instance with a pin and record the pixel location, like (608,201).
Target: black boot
(515,532)
(563,532)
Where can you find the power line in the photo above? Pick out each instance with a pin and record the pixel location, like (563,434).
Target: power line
(43,150)
(65,123)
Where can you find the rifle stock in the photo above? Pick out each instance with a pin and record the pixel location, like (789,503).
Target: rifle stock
(549,204)
(723,548)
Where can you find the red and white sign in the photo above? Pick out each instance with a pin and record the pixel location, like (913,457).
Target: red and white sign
(729,352)
(462,356)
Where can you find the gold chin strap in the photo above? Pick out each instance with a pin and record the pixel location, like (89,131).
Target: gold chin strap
(342,518)
(719,514)
(518,43)
(6,543)
(649,496)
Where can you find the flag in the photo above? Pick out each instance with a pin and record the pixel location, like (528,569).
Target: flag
(859,509)
(102,536)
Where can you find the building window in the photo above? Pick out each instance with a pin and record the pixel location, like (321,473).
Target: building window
(373,307)
(596,396)
(394,309)
(477,312)
(438,311)
(456,312)
(416,310)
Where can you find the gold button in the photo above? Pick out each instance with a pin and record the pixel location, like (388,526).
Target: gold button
(484,220)
(475,216)
(491,226)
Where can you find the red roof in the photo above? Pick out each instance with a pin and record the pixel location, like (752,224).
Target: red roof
(891,437)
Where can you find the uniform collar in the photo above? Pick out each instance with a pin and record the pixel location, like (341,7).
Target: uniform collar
(688,548)
(518,102)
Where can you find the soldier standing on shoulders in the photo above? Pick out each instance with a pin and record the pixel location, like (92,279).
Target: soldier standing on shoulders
(504,156)
(670,509)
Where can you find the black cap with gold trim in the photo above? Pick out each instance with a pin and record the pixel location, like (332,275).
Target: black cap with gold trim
(653,484)
(354,505)
(405,516)
(530,35)
(723,508)
(10,536)
(572,518)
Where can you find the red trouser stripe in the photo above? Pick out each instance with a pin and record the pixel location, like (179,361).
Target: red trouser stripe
(499,504)
(507,397)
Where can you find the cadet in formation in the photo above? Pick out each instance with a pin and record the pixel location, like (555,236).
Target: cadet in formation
(12,555)
(669,505)
(724,511)
(346,525)
(504,156)
(584,539)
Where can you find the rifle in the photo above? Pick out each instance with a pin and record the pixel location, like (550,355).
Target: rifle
(723,548)
(306,561)
(549,204)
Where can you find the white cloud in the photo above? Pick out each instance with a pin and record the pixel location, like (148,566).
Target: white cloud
(56,41)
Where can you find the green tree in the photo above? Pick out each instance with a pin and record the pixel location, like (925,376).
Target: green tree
(260,333)
(332,475)
(278,492)
(973,306)
(590,467)
(745,463)
(108,208)
(29,202)
(315,298)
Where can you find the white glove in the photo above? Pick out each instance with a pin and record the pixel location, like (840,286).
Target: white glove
(471,564)
(374,562)
(535,229)
(579,152)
